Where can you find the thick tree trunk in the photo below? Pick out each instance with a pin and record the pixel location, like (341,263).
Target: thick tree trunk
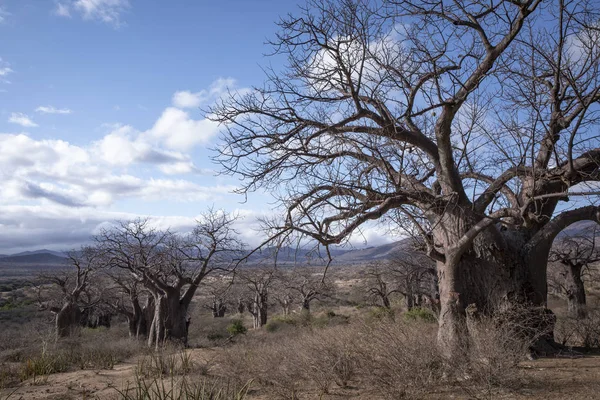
(576,302)
(170,319)
(493,275)
(68,320)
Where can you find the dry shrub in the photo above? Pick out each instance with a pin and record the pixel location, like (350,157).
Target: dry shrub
(181,389)
(399,359)
(167,361)
(584,332)
(283,365)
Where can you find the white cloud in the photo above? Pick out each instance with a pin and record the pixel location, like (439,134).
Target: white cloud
(53,110)
(62,10)
(178,131)
(56,172)
(107,11)
(4,70)
(22,119)
(187,99)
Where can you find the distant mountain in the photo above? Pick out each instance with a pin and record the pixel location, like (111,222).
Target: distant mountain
(340,255)
(42,251)
(35,258)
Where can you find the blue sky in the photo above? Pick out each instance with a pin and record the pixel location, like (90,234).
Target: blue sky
(100,111)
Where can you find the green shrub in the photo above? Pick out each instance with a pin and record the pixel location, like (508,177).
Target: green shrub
(237,328)
(420,314)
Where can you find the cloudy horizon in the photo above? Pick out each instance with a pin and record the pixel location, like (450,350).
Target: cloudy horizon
(100,115)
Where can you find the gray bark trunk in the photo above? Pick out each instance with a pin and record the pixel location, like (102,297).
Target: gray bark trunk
(494,275)
(576,301)
(68,320)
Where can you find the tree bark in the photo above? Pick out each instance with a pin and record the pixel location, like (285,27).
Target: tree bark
(576,301)
(494,274)
(68,320)
(170,319)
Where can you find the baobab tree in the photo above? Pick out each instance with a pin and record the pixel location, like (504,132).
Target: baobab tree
(414,276)
(378,283)
(171,267)
(308,285)
(574,254)
(128,297)
(475,121)
(75,292)
(257,283)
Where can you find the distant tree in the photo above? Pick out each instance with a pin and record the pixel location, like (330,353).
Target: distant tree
(220,293)
(310,285)
(258,282)
(379,284)
(74,290)
(415,278)
(574,254)
(171,267)
(128,297)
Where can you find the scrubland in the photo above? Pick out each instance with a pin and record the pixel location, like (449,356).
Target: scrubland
(343,348)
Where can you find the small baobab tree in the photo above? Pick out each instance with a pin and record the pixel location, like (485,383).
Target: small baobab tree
(74,290)
(258,282)
(574,254)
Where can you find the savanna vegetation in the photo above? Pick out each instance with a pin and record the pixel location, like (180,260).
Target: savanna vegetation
(469,126)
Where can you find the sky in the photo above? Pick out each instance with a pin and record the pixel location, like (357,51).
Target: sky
(100,113)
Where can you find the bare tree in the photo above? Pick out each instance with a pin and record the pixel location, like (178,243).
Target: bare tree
(379,284)
(412,276)
(129,298)
(309,285)
(415,277)
(574,254)
(75,293)
(282,293)
(470,120)
(258,282)
(219,291)
(171,267)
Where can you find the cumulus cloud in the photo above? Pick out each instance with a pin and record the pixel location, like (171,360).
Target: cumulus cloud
(52,186)
(22,119)
(107,11)
(56,172)
(177,130)
(52,110)
(188,99)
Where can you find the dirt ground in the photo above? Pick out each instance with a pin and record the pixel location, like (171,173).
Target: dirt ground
(547,378)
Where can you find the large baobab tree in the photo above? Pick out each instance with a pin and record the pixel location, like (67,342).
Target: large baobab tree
(171,267)
(475,121)
(574,254)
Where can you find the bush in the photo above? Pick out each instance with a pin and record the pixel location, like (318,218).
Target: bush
(182,389)
(237,328)
(584,332)
(420,314)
